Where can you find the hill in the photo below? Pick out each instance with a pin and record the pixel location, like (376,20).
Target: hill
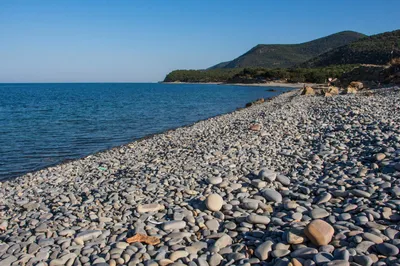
(375,49)
(211,75)
(288,55)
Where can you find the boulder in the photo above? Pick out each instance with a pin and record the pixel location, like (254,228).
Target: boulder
(351,90)
(308,91)
(333,90)
(356,84)
(319,232)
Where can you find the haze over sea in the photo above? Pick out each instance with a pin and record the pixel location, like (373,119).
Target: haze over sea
(45,124)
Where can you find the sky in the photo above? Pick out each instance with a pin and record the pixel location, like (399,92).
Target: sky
(141,41)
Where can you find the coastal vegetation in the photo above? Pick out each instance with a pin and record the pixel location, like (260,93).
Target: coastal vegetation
(258,75)
(291,75)
(209,75)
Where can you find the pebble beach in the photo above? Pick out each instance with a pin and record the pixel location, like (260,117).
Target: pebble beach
(296,180)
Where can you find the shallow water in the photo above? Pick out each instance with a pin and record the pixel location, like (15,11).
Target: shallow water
(45,124)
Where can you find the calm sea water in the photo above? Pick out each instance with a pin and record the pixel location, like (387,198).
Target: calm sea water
(45,124)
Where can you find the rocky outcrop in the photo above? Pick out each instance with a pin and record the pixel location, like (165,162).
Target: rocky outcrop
(356,84)
(350,90)
(333,90)
(391,75)
(367,76)
(308,91)
(353,87)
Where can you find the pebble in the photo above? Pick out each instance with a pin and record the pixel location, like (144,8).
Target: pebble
(284,180)
(215,259)
(380,156)
(86,235)
(174,225)
(322,258)
(387,249)
(360,193)
(304,253)
(144,208)
(295,236)
(319,213)
(258,219)
(267,175)
(178,254)
(33,248)
(323,198)
(272,195)
(319,232)
(278,253)
(263,250)
(224,241)
(373,238)
(214,202)
(215,180)
(363,260)
(212,224)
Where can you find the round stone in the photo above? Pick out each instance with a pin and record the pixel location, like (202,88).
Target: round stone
(284,180)
(267,175)
(319,232)
(272,195)
(380,156)
(387,249)
(215,180)
(258,219)
(319,213)
(214,202)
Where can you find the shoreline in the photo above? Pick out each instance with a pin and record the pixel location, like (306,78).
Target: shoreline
(66,161)
(214,190)
(269,84)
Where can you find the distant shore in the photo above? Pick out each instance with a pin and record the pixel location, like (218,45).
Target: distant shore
(269,84)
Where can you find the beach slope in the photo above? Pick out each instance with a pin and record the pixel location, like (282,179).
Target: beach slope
(293,179)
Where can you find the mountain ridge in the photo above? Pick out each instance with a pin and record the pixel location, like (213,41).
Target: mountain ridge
(376,49)
(289,55)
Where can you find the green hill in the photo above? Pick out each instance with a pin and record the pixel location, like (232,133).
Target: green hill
(210,75)
(288,55)
(375,49)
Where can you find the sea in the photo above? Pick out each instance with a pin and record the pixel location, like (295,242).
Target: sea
(45,124)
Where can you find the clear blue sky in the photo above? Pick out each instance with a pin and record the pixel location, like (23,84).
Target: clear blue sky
(85,40)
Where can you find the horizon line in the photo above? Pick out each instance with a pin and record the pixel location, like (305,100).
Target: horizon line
(77,82)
